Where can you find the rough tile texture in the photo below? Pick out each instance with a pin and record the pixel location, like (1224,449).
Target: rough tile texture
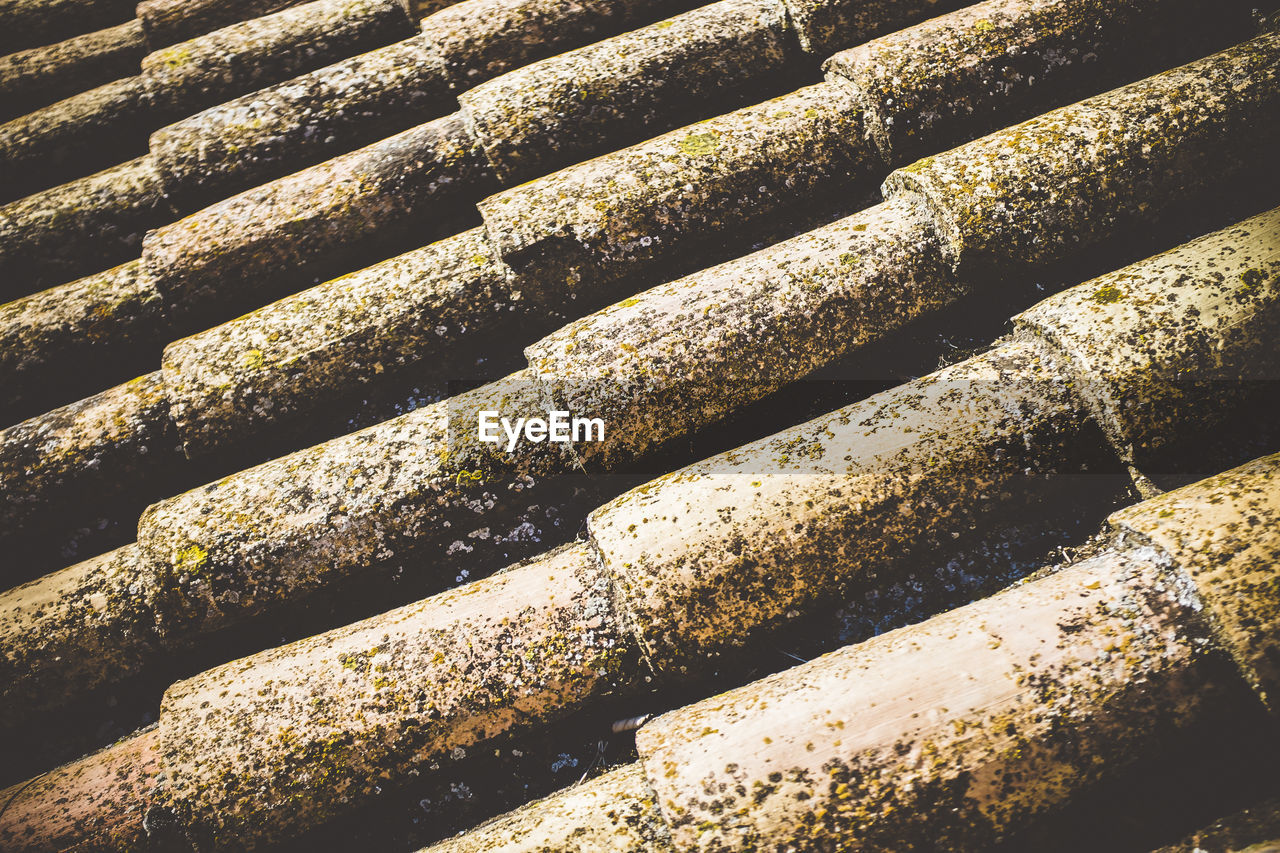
(410,486)
(99,444)
(285,127)
(682,355)
(327,722)
(104,215)
(858,487)
(943,735)
(333,109)
(73,630)
(727,548)
(685,194)
(825,26)
(113,788)
(289,358)
(114,316)
(170,21)
(758,158)
(263,243)
(477,40)
(615,811)
(619,213)
(691,187)
(960,75)
(39,76)
(900,449)
(255,53)
(1225,533)
(958,731)
(1168,346)
(550,114)
(695,551)
(35,23)
(92,130)
(1032,193)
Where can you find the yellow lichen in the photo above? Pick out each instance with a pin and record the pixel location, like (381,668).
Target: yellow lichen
(700,144)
